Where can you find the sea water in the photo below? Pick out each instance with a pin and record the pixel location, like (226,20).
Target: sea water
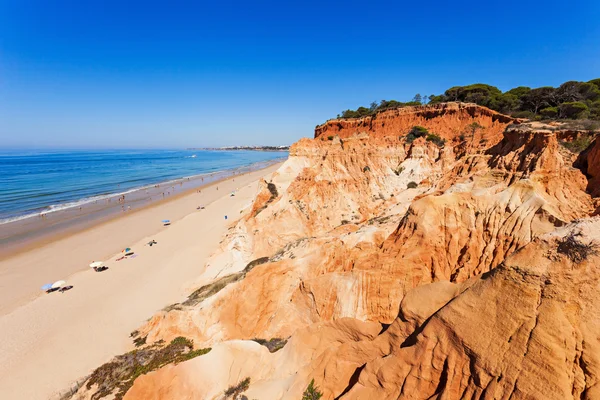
(37,182)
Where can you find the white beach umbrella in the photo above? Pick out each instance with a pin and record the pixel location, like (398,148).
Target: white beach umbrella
(58,284)
(96,264)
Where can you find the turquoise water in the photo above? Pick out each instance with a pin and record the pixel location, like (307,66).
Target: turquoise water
(34,182)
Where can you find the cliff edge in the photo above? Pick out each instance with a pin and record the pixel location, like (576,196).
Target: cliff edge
(387,266)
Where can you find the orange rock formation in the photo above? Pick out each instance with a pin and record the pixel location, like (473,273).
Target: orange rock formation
(403,270)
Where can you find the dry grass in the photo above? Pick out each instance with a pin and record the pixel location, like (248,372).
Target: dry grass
(215,287)
(72,391)
(211,289)
(576,250)
(578,145)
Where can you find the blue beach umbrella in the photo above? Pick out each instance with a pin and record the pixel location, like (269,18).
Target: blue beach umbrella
(165,221)
(47,286)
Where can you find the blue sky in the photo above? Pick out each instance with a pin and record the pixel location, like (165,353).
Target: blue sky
(179,74)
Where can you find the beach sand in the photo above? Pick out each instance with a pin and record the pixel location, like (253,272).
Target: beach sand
(48,341)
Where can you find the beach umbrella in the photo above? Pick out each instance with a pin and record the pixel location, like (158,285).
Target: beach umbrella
(96,264)
(58,284)
(127,249)
(47,286)
(165,221)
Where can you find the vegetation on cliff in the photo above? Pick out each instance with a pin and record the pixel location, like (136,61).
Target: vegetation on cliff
(571,100)
(117,376)
(312,392)
(419,131)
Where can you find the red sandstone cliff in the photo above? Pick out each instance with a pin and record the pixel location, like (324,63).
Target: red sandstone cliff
(458,287)
(449,120)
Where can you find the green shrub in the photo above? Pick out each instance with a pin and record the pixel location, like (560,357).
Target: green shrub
(520,102)
(523,114)
(182,341)
(549,112)
(412,185)
(117,376)
(595,110)
(140,341)
(432,137)
(416,132)
(235,391)
(573,110)
(312,392)
(329,137)
(366,169)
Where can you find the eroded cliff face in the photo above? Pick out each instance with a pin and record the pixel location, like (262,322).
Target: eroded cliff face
(589,162)
(449,120)
(402,270)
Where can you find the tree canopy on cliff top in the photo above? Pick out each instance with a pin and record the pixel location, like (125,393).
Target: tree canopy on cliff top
(571,100)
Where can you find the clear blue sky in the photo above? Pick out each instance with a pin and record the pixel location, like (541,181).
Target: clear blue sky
(204,73)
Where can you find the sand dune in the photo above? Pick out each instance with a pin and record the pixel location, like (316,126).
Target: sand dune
(52,340)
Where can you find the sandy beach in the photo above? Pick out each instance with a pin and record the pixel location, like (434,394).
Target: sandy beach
(51,340)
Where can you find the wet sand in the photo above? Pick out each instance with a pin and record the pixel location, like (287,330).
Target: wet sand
(54,339)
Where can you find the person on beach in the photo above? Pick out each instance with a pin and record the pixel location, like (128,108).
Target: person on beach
(128,208)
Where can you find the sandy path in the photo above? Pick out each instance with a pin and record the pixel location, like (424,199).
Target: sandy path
(55,339)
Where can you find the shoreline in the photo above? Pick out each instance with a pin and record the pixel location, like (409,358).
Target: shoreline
(24,256)
(60,337)
(22,235)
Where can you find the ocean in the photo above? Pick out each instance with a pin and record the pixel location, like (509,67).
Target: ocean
(34,182)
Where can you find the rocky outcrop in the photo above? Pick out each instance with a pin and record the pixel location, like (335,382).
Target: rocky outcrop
(589,162)
(389,265)
(528,329)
